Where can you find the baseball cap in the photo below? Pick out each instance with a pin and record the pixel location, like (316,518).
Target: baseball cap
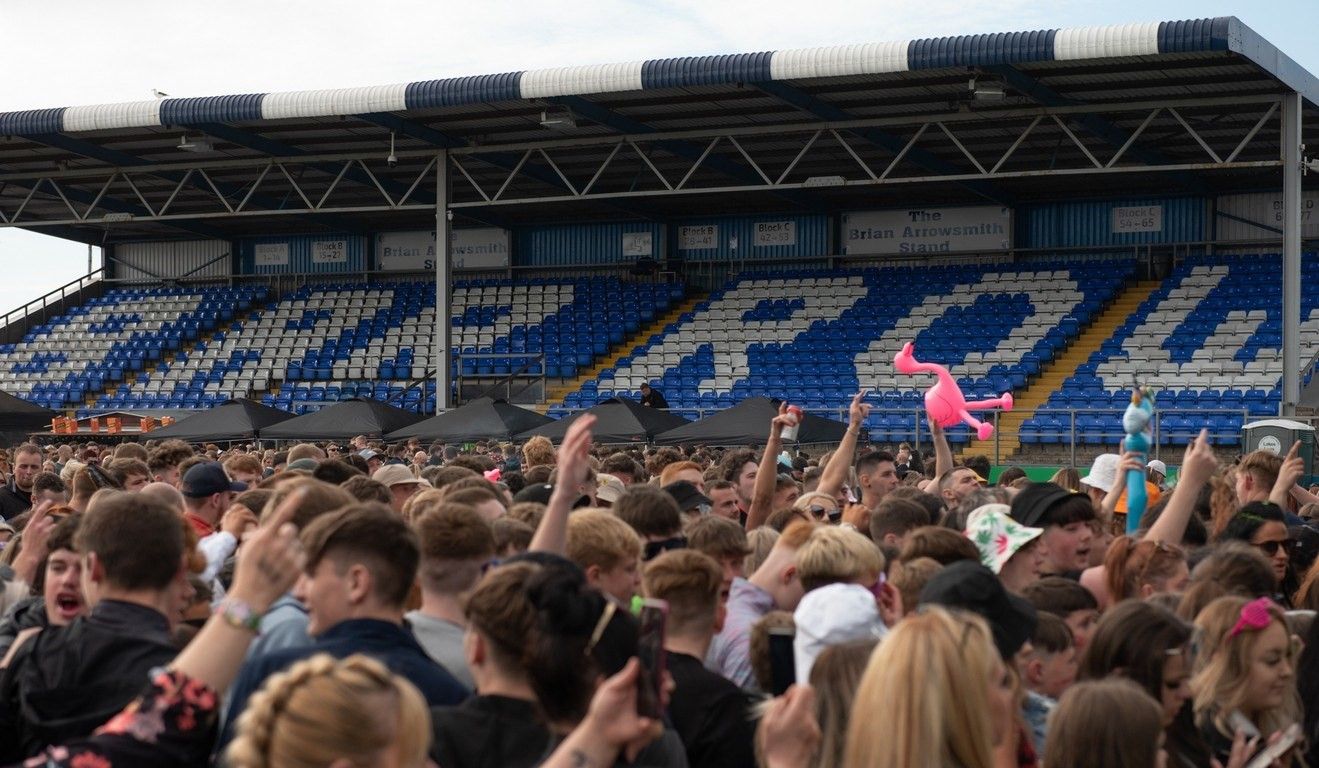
(538,493)
(686,495)
(608,488)
(397,474)
(1103,471)
(208,478)
(1158,466)
(1034,501)
(367,454)
(832,615)
(308,464)
(996,535)
(972,587)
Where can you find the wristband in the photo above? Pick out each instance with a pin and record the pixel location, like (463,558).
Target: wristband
(238,615)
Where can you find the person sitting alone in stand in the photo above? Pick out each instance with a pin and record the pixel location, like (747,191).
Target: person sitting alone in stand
(652,398)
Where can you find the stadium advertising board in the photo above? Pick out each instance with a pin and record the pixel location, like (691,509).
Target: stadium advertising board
(479,248)
(903,231)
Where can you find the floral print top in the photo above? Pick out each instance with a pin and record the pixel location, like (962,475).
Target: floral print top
(173,723)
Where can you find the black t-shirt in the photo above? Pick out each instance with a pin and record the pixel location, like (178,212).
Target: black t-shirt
(13,502)
(711,714)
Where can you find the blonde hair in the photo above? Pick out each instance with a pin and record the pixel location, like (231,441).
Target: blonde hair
(597,537)
(760,542)
(804,501)
(835,676)
(1109,723)
(323,709)
(924,699)
(421,502)
(1221,679)
(832,555)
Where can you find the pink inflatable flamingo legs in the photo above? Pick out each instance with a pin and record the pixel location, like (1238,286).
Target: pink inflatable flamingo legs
(944,402)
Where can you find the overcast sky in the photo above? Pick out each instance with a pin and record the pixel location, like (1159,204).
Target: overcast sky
(74,52)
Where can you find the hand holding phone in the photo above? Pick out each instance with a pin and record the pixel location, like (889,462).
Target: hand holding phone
(650,651)
(1286,740)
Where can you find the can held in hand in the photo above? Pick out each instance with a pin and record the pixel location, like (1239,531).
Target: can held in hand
(789,431)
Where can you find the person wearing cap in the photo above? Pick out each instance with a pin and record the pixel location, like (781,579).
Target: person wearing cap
(1157,472)
(373,460)
(691,502)
(1009,549)
(207,494)
(834,614)
(1066,518)
(400,481)
(607,490)
(1107,483)
(972,587)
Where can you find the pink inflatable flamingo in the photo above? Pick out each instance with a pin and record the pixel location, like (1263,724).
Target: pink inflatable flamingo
(944,401)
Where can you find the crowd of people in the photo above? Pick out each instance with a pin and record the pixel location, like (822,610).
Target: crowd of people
(403,605)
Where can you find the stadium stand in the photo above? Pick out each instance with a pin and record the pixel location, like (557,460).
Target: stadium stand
(331,342)
(816,337)
(114,338)
(1208,339)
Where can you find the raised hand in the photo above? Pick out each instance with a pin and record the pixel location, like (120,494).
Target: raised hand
(788,734)
(272,558)
(859,409)
(573,459)
(1199,463)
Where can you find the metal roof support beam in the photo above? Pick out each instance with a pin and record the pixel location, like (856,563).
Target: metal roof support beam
(607,117)
(1291,252)
(70,194)
(882,139)
(256,141)
(1097,126)
(443,352)
(127,160)
(506,161)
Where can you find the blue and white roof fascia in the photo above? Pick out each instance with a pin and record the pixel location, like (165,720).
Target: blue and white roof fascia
(1077,43)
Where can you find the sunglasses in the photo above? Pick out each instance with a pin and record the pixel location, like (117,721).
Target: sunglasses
(1270,548)
(821,512)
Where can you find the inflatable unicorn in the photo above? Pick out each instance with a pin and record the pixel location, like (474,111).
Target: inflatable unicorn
(944,401)
(1137,422)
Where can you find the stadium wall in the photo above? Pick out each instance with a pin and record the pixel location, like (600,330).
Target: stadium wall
(1109,223)
(756,237)
(593,244)
(303,254)
(156,261)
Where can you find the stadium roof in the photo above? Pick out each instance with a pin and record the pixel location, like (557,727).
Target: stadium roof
(1164,108)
